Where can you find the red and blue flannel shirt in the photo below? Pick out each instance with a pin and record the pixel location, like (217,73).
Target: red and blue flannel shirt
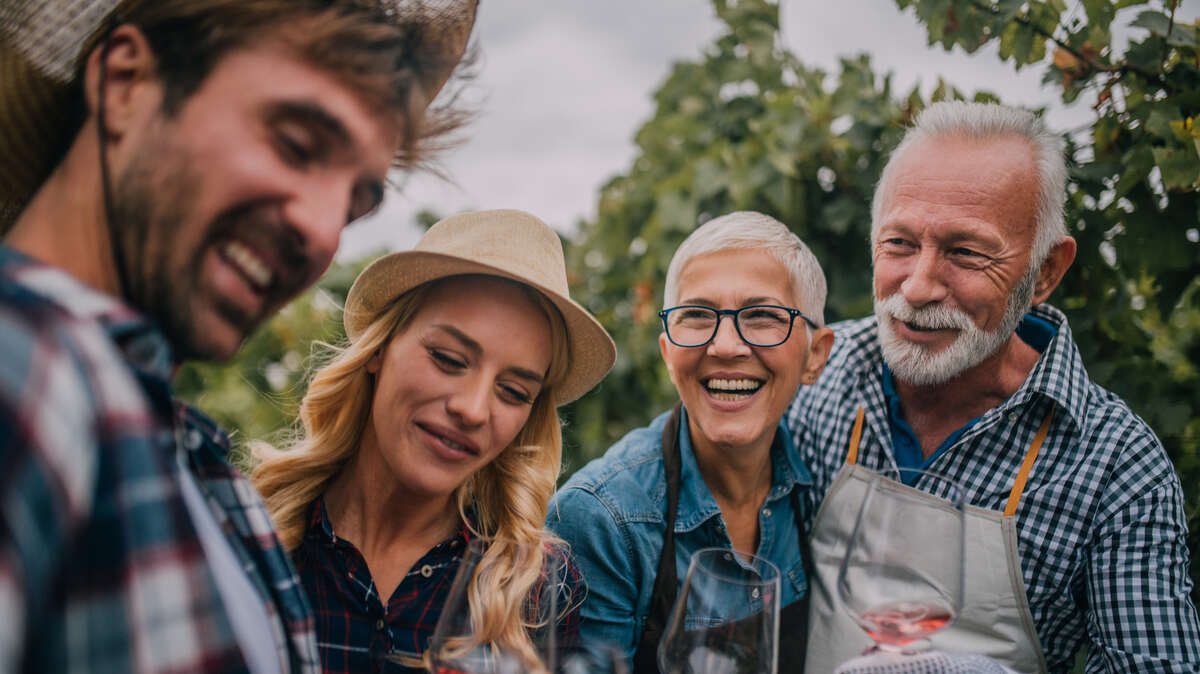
(356,633)
(101,569)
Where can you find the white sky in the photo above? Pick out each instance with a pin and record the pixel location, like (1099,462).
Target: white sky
(563,86)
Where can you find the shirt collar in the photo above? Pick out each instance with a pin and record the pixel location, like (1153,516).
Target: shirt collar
(320,527)
(696,502)
(140,341)
(1059,373)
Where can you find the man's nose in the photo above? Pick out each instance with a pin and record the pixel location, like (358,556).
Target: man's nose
(317,215)
(923,284)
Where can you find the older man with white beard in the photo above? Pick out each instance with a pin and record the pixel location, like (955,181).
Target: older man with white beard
(1076,534)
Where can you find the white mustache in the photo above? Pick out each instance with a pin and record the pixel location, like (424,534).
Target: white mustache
(931,317)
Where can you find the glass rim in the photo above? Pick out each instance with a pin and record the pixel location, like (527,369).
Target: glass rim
(758,562)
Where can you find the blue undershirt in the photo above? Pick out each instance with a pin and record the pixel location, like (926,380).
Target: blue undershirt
(1034,331)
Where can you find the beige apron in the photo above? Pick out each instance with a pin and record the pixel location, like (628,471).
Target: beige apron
(995,619)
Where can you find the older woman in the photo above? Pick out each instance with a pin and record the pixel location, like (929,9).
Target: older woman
(434,426)
(742,331)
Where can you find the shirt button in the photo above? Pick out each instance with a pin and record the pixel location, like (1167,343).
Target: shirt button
(426,571)
(1012,417)
(766,512)
(379,624)
(754,593)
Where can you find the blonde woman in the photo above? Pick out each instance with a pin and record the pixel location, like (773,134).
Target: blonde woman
(434,426)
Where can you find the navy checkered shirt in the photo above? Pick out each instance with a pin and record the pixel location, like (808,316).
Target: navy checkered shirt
(101,569)
(356,633)
(1101,530)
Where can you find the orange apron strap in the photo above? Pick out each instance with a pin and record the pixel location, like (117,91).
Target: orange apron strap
(1014,497)
(855,437)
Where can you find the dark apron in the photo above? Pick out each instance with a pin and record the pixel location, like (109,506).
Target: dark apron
(793,618)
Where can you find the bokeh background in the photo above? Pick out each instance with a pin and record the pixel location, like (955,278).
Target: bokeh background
(625,124)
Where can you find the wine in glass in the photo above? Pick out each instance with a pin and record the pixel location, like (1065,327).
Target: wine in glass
(459,647)
(901,578)
(726,617)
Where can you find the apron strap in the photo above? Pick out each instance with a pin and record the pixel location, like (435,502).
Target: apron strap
(855,438)
(1014,498)
(666,580)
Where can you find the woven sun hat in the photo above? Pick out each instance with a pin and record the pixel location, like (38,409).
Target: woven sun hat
(506,243)
(44,43)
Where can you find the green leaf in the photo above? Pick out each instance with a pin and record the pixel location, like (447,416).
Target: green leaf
(1158,24)
(1137,165)
(1099,12)
(1180,169)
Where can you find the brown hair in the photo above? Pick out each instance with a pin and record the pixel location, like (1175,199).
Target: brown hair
(395,66)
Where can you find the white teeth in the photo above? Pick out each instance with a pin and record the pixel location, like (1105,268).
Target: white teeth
(733,384)
(249,264)
(453,445)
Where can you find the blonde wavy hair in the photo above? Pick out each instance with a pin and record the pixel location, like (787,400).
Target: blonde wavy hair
(509,495)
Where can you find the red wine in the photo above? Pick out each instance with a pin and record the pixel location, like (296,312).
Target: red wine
(901,623)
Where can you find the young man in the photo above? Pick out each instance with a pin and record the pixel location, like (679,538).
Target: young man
(172,173)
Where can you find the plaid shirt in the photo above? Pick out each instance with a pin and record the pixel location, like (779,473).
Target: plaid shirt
(101,569)
(1101,531)
(356,634)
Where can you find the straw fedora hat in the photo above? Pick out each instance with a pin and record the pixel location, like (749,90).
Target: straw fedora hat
(507,243)
(44,43)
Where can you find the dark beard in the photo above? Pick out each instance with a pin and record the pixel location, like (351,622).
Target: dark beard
(151,202)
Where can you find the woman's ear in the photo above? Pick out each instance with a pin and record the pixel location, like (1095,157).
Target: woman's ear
(819,345)
(373,365)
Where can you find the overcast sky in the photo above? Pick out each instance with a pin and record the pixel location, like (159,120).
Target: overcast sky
(564,85)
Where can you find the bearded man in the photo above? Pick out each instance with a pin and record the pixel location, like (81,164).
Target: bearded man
(171,173)
(1075,533)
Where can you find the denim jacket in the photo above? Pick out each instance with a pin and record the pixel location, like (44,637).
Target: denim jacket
(613,511)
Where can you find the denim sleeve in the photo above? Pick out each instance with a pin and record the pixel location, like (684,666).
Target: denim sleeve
(600,547)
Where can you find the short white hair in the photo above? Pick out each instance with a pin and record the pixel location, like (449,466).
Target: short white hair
(748,229)
(985,121)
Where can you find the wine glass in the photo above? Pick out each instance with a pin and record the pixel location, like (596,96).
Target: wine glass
(902,575)
(726,617)
(457,647)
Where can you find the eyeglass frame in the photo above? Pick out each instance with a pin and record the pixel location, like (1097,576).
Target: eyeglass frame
(793,313)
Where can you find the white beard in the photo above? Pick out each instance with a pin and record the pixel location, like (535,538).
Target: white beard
(919,366)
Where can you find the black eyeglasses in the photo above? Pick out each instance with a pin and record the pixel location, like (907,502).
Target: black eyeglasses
(691,325)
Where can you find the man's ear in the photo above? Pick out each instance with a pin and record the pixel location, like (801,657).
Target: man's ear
(1057,262)
(132,89)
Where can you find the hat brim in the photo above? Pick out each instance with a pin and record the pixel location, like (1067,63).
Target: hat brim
(592,351)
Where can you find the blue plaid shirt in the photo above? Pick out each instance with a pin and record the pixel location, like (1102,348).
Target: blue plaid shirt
(101,569)
(1101,530)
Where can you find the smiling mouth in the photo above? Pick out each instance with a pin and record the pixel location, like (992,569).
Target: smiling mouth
(732,389)
(452,444)
(256,271)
